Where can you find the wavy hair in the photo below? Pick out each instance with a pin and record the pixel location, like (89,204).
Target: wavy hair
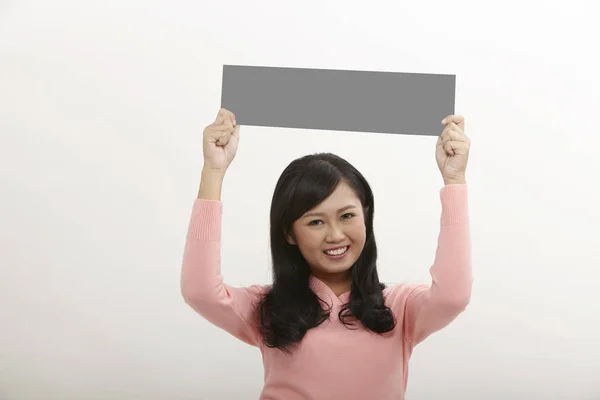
(289,308)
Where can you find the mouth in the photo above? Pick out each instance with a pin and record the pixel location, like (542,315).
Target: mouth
(337,253)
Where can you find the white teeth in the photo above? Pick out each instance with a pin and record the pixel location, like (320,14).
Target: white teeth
(337,252)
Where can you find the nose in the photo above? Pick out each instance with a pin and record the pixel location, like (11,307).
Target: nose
(335,234)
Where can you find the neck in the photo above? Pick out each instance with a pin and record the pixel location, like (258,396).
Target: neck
(338,283)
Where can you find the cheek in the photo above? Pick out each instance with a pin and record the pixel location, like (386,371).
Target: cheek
(358,233)
(307,240)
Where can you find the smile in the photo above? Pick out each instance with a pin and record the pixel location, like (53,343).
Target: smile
(337,252)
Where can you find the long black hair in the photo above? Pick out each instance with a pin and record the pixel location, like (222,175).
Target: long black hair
(290,308)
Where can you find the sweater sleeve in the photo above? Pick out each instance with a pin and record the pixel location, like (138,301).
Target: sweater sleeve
(429,308)
(202,285)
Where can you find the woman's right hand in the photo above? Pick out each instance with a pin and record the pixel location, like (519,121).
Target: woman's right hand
(220,142)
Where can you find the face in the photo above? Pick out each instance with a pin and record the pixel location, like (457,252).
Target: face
(332,235)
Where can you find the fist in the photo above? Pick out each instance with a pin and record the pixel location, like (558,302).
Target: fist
(452,150)
(220,142)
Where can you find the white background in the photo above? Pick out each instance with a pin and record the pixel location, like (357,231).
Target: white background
(102,107)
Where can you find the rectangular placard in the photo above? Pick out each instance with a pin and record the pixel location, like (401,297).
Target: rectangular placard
(338,100)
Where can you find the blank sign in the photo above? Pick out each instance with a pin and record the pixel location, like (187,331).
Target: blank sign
(338,100)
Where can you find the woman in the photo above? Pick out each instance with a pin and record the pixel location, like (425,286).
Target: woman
(326,327)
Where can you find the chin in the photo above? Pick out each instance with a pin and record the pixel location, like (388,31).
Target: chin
(335,270)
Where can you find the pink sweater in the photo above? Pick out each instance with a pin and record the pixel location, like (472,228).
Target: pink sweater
(333,362)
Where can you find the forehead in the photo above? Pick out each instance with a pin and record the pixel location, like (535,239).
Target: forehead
(342,196)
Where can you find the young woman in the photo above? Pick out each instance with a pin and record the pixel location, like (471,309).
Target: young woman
(326,327)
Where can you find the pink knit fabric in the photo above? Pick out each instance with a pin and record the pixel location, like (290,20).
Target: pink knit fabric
(332,361)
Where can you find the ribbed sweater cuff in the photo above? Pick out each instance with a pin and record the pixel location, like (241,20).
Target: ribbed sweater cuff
(455,208)
(205,222)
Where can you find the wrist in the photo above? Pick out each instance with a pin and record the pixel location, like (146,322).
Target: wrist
(211,184)
(211,173)
(455,181)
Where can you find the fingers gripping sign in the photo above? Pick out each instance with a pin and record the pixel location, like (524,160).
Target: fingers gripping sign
(220,142)
(452,150)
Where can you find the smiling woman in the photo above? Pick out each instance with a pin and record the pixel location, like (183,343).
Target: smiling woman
(326,327)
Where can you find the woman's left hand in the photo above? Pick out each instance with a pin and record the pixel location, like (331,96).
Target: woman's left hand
(452,150)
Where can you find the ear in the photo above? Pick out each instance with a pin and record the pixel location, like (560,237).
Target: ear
(290,238)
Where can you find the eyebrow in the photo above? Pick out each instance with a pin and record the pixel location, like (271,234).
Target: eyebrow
(317,214)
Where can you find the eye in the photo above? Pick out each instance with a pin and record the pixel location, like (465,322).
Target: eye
(315,222)
(348,215)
